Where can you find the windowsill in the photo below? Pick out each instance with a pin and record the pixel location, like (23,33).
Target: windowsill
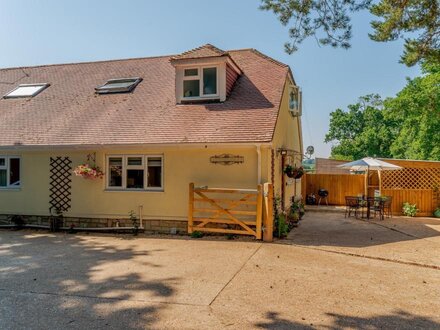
(10,188)
(194,100)
(133,190)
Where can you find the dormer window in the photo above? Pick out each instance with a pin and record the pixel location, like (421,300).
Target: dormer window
(26,90)
(200,82)
(121,85)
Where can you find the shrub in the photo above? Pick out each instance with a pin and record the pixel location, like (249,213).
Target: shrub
(196,234)
(409,210)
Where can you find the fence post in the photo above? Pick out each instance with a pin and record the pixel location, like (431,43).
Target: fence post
(258,228)
(268,213)
(190,207)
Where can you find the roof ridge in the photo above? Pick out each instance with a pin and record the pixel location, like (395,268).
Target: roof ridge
(257,52)
(86,62)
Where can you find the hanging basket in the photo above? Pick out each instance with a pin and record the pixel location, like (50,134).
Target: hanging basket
(88,172)
(294,172)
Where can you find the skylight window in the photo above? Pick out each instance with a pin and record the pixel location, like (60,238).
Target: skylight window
(26,90)
(123,85)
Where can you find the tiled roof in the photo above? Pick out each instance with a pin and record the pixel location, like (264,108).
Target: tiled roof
(70,113)
(207,50)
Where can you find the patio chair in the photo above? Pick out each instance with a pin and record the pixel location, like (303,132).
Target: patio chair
(378,206)
(352,204)
(387,206)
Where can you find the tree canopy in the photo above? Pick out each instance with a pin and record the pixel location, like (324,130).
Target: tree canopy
(329,22)
(406,126)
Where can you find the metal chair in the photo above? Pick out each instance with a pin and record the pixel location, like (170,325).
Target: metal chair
(352,204)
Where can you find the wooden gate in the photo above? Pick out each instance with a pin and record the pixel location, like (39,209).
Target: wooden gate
(228,211)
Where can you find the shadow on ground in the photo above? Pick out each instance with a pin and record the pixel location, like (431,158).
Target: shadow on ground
(397,320)
(63,278)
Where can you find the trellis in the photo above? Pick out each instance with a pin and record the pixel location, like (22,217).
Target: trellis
(411,178)
(60,183)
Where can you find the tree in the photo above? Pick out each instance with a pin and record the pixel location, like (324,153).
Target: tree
(361,131)
(406,126)
(330,23)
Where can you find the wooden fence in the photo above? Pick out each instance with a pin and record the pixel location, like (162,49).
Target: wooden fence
(231,211)
(338,186)
(416,185)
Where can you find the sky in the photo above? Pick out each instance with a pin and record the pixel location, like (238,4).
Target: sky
(53,31)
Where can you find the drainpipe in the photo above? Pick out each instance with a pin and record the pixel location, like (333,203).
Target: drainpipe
(141,226)
(258,163)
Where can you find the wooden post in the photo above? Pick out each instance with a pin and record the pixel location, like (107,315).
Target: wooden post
(190,208)
(268,213)
(379,175)
(259,211)
(367,182)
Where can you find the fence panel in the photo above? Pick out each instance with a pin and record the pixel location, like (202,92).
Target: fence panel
(338,186)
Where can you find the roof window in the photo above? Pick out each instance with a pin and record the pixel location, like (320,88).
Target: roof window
(121,85)
(26,90)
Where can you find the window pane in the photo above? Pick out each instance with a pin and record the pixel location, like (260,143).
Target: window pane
(191,88)
(14,171)
(155,172)
(134,161)
(2,161)
(210,81)
(191,72)
(26,90)
(135,179)
(115,169)
(2,178)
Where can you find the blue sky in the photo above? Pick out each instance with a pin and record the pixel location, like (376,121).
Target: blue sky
(45,32)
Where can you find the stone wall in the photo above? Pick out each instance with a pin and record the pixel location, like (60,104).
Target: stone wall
(158,226)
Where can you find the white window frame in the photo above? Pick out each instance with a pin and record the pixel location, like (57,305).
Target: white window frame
(42,86)
(126,167)
(8,174)
(199,77)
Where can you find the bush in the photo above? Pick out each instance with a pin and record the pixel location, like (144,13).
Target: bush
(196,234)
(409,210)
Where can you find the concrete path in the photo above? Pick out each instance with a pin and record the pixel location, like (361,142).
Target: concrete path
(317,279)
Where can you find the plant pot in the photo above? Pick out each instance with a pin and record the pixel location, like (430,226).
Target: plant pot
(437,213)
(298,175)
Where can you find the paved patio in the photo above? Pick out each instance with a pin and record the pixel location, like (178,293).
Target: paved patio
(331,273)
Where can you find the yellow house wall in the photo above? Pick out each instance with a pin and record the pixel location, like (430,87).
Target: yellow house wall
(287,136)
(91,199)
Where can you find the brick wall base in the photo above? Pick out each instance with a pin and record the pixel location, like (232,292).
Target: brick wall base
(158,226)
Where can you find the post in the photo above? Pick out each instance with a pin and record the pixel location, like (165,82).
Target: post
(190,207)
(379,175)
(259,211)
(141,225)
(367,182)
(268,213)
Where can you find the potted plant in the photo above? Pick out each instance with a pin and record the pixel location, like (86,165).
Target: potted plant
(88,172)
(437,212)
(293,171)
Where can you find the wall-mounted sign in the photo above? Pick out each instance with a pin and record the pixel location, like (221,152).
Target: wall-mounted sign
(226,159)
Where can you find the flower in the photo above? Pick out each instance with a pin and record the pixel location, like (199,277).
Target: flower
(88,172)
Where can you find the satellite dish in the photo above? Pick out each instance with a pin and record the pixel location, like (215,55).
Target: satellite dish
(310,150)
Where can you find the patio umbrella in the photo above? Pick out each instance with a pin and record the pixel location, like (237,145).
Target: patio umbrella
(366,164)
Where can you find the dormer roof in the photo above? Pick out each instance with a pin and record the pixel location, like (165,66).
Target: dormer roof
(204,51)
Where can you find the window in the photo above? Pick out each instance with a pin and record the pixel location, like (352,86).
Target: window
(9,172)
(123,85)
(135,172)
(200,82)
(26,90)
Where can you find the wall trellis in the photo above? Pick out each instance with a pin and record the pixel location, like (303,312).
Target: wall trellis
(60,183)
(411,178)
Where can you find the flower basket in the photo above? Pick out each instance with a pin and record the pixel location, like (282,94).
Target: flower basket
(293,171)
(88,172)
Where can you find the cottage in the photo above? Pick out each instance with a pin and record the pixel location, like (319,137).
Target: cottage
(151,126)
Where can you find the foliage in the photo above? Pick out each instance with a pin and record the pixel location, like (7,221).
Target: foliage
(409,210)
(420,19)
(405,126)
(326,20)
(88,171)
(361,131)
(282,228)
(294,171)
(18,220)
(329,22)
(135,225)
(196,234)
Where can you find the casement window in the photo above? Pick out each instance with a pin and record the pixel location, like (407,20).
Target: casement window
(200,82)
(135,172)
(26,90)
(9,172)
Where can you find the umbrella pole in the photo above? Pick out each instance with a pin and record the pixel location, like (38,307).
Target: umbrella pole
(366,181)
